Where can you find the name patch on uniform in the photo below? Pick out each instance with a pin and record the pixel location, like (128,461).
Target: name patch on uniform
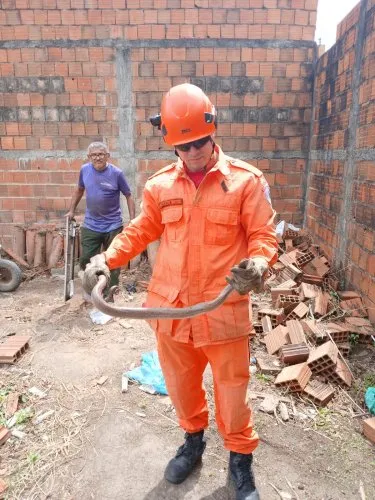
(169,203)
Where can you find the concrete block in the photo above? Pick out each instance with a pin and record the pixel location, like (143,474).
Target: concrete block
(323,358)
(266,324)
(294,378)
(318,392)
(294,353)
(338,332)
(276,315)
(339,374)
(277,338)
(321,304)
(299,312)
(296,333)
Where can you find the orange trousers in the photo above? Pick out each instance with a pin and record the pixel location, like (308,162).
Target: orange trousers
(183,366)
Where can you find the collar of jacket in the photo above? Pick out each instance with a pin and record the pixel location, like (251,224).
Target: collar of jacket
(222,163)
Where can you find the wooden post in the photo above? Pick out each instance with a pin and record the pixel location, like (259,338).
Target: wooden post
(57,250)
(49,240)
(19,241)
(30,246)
(40,249)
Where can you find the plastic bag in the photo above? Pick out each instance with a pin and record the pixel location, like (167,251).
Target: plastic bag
(370,399)
(99,318)
(149,373)
(282,226)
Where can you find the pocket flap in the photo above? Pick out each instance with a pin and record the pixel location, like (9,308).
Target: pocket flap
(234,297)
(171,214)
(164,290)
(222,216)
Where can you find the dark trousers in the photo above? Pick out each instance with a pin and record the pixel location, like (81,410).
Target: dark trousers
(93,243)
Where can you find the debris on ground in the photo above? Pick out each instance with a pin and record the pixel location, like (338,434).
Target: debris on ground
(269,404)
(99,318)
(305,326)
(102,380)
(3,488)
(125,324)
(37,392)
(149,374)
(148,389)
(124,383)
(73,409)
(284,413)
(40,418)
(4,434)
(11,404)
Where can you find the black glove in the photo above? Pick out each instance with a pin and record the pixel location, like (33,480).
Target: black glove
(248,275)
(93,270)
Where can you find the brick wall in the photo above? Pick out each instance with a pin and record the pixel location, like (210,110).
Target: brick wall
(75,71)
(341,187)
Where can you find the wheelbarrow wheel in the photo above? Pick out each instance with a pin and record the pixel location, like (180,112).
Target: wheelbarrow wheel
(10,276)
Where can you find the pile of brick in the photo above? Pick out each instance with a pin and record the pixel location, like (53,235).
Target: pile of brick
(309,323)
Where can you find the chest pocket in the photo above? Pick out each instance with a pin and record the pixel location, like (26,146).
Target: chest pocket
(108,189)
(221,226)
(172,218)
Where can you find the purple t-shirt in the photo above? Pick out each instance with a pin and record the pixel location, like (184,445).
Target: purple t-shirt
(103,211)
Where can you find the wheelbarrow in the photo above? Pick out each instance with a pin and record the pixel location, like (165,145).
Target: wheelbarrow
(10,273)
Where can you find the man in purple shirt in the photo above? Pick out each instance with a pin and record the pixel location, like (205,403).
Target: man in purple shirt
(103,183)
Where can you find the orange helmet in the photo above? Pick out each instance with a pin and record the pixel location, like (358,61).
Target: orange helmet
(187,114)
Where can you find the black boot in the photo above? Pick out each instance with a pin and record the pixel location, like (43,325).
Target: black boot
(187,456)
(242,475)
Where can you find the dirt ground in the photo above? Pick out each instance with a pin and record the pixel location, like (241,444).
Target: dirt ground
(102,444)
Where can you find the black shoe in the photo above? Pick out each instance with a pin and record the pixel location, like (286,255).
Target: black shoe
(242,475)
(187,457)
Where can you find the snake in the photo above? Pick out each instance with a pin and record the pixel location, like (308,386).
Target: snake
(155,312)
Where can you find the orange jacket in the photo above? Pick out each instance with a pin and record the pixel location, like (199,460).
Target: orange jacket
(203,232)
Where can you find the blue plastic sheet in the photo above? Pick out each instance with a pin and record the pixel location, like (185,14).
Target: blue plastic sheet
(149,373)
(370,399)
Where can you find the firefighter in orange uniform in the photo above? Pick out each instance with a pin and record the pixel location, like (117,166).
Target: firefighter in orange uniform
(213,215)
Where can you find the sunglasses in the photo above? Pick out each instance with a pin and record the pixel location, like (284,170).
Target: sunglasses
(198,144)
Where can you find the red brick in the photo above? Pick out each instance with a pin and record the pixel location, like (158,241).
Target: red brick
(7,142)
(273,16)
(11,405)
(287,16)
(369,428)
(4,436)
(323,358)
(318,392)
(294,353)
(294,378)
(311,4)
(158,32)
(296,333)
(278,337)
(94,16)
(301,17)
(340,374)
